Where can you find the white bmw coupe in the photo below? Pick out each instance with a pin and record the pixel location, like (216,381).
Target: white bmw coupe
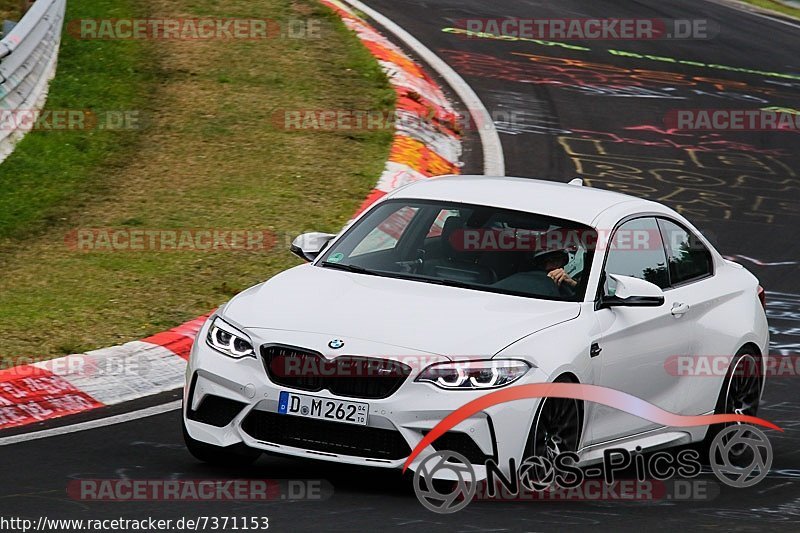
(451,288)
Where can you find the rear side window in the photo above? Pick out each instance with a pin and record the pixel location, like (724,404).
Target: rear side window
(638,251)
(438,224)
(688,258)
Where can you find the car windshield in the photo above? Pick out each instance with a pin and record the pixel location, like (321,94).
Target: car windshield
(470,246)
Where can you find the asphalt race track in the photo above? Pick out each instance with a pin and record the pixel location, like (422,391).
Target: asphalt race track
(595,113)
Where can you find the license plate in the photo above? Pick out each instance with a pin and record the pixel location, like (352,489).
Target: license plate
(323,408)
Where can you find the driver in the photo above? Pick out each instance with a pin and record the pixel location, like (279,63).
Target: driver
(553,262)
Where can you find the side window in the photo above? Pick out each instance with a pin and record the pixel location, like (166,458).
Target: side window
(688,258)
(638,251)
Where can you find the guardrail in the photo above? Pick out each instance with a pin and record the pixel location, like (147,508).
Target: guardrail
(28,57)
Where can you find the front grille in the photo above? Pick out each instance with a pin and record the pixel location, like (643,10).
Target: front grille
(350,376)
(456,441)
(323,436)
(216,411)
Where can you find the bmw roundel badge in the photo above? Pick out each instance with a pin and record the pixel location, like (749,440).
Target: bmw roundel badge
(335,344)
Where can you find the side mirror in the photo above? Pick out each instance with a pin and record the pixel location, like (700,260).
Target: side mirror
(632,292)
(309,245)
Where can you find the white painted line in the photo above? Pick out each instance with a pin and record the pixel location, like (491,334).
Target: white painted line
(493,158)
(758,261)
(756,11)
(93,424)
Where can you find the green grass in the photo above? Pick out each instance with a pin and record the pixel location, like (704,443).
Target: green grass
(9,10)
(41,180)
(776,6)
(209,157)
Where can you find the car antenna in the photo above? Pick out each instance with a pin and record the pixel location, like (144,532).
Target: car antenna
(577,182)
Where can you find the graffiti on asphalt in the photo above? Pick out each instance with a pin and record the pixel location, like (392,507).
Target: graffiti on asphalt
(603,79)
(757,187)
(783,313)
(703,175)
(628,54)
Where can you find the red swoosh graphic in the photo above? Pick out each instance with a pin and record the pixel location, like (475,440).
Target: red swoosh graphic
(578,391)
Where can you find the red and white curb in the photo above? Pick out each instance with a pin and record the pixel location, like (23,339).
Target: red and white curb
(75,383)
(424,146)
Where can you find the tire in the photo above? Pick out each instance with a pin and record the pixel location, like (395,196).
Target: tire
(237,455)
(556,428)
(740,394)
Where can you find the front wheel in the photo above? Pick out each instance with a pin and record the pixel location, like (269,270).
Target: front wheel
(556,428)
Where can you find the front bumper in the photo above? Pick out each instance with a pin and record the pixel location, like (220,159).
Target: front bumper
(397,422)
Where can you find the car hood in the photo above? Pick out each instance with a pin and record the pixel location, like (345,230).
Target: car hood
(447,321)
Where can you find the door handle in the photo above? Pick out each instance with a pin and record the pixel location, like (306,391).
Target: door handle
(679,309)
(595,350)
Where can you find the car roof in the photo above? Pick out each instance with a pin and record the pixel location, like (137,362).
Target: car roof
(571,202)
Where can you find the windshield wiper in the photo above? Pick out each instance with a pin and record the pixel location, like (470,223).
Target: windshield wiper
(350,268)
(443,281)
(436,281)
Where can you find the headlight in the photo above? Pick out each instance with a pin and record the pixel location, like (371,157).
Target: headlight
(226,339)
(474,375)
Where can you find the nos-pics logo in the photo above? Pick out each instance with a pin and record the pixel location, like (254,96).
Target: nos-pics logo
(445,482)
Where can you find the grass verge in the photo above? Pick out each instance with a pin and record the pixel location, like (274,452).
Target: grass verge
(776,6)
(208,158)
(9,10)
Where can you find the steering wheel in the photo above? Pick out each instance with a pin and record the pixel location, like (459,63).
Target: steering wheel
(543,284)
(566,290)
